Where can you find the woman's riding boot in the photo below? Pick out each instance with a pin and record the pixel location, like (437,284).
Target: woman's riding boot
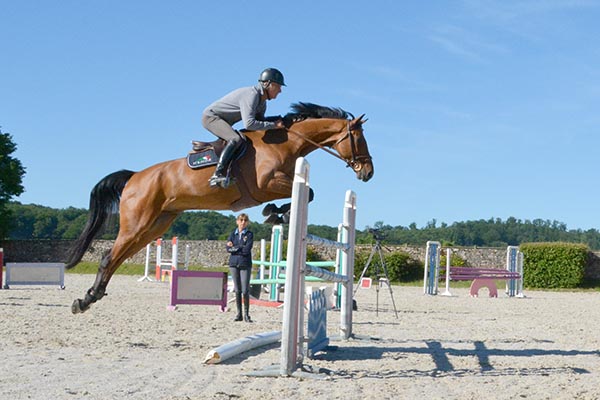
(220,177)
(247,308)
(238,303)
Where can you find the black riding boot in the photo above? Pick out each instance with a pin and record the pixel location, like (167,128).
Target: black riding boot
(238,303)
(247,308)
(220,178)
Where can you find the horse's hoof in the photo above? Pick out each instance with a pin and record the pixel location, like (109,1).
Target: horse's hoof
(76,307)
(269,209)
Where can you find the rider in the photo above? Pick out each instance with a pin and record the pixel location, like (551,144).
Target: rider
(247,104)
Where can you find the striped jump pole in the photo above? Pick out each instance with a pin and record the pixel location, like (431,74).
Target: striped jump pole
(432,263)
(514,265)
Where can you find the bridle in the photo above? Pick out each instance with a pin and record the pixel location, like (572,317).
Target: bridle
(356,162)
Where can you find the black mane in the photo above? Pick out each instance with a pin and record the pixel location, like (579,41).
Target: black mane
(301,111)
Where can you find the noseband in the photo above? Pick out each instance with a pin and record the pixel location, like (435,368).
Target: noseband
(356,162)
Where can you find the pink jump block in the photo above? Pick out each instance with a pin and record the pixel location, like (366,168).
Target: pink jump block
(481,283)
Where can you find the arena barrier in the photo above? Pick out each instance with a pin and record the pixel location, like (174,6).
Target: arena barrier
(34,274)
(481,277)
(198,287)
(292,334)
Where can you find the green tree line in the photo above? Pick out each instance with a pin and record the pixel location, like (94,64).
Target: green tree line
(11,178)
(39,222)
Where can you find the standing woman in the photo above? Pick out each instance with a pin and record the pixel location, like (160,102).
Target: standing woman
(239,246)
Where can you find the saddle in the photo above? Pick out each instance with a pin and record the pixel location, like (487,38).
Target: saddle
(205,154)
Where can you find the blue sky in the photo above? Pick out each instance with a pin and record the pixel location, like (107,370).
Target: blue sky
(477,109)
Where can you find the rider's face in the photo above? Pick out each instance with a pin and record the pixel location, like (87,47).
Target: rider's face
(273,90)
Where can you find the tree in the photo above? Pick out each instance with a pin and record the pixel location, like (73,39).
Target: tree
(11,175)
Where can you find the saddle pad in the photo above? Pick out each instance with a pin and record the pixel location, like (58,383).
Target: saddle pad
(202,159)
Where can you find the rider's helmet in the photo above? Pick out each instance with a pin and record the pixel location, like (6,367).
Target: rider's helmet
(272,75)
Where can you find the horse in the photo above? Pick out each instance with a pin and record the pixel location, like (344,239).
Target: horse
(148,201)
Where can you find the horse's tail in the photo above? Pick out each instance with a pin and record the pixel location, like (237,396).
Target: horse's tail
(104,201)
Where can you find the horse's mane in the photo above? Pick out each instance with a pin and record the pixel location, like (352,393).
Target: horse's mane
(302,111)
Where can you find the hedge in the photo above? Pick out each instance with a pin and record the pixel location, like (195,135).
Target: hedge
(553,265)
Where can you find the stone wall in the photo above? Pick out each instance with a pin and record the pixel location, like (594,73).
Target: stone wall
(211,253)
(202,252)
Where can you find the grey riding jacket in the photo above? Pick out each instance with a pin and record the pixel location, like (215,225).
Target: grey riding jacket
(242,104)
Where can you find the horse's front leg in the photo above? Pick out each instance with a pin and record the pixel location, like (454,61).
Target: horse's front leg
(97,291)
(280,214)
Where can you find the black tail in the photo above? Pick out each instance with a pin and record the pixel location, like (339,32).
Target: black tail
(104,199)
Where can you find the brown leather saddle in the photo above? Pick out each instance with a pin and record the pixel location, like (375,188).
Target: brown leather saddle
(216,145)
(204,154)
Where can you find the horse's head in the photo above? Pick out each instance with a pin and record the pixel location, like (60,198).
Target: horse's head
(352,147)
(337,129)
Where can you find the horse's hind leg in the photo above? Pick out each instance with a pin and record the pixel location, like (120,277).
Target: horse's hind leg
(128,243)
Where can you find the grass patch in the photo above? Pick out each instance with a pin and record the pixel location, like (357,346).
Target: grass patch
(138,269)
(132,269)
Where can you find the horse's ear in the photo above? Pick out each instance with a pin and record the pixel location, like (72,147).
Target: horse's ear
(360,120)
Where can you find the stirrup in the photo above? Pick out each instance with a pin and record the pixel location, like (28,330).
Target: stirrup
(217,180)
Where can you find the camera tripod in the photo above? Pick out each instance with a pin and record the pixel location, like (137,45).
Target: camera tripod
(377,249)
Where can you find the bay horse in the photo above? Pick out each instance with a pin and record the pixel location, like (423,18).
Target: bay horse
(149,200)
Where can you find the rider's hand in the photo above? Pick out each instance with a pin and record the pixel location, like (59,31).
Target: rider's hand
(279,124)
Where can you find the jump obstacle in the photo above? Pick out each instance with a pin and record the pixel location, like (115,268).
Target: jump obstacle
(272,273)
(31,273)
(296,269)
(481,277)
(163,267)
(292,334)
(198,287)
(34,274)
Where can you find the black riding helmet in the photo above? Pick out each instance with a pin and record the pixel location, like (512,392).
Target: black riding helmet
(272,75)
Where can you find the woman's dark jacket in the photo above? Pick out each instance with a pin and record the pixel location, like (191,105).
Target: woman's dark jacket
(241,251)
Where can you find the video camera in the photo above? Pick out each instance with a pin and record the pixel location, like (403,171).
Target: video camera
(377,234)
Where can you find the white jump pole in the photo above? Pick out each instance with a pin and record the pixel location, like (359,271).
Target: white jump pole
(239,346)
(158,259)
(263,258)
(295,257)
(174,254)
(447,291)
(292,338)
(146,277)
(349,236)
